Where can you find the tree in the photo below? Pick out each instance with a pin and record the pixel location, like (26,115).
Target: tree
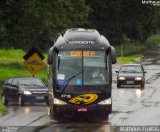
(35,23)
(137,20)
(106,18)
(124,17)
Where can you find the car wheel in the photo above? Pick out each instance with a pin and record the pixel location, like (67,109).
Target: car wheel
(118,86)
(20,100)
(104,116)
(4,100)
(142,86)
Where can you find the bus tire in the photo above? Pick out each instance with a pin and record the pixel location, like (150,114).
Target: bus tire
(142,86)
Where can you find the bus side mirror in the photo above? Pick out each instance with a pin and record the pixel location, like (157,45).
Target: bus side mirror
(117,71)
(50,56)
(113,55)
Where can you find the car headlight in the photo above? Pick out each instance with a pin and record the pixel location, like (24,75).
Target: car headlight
(106,102)
(58,102)
(27,93)
(121,78)
(138,78)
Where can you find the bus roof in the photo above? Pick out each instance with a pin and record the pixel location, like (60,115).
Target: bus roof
(81,39)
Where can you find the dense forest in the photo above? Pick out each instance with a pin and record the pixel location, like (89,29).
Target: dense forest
(27,23)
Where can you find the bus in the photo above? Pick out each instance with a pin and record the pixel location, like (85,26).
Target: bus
(80,74)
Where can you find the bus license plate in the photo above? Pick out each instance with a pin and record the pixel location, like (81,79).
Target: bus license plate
(82,110)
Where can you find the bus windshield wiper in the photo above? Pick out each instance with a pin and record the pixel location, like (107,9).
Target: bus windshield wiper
(69,81)
(58,62)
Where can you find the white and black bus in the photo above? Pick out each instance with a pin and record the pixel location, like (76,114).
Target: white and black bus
(80,73)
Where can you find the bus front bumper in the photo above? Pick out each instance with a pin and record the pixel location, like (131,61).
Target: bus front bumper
(75,109)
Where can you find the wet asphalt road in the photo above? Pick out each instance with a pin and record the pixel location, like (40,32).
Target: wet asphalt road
(130,107)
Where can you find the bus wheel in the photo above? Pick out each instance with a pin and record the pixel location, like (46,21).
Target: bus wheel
(142,86)
(104,116)
(57,116)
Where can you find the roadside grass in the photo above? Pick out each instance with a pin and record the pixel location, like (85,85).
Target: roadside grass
(129,47)
(129,51)
(128,59)
(11,56)
(3,108)
(153,40)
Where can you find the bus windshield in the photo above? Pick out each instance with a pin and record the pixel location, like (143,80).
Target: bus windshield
(81,68)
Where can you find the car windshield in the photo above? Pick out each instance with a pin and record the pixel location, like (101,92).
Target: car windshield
(130,69)
(30,82)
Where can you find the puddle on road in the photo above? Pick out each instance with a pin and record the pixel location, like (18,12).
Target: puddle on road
(153,78)
(138,93)
(138,98)
(121,92)
(27,110)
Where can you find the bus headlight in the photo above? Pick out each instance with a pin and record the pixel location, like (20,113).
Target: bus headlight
(106,102)
(138,78)
(27,93)
(121,78)
(58,102)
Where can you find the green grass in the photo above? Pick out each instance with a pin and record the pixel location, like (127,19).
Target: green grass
(153,40)
(128,48)
(11,56)
(130,51)
(2,108)
(132,47)
(128,59)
